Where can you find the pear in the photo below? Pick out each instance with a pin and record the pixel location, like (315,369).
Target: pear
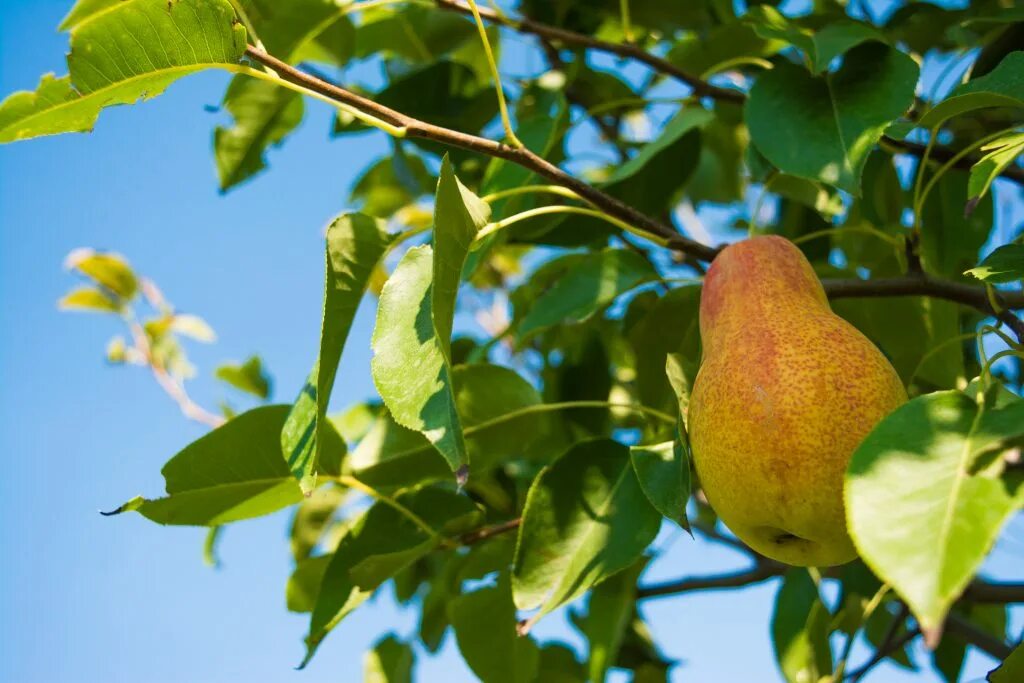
(786,392)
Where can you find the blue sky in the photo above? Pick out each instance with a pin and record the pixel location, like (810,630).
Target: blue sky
(89,599)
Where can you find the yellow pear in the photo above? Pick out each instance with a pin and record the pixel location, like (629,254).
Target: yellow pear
(785,393)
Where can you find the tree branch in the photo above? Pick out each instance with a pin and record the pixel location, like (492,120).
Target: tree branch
(758,573)
(985,591)
(927,285)
(699,86)
(970,633)
(629,51)
(910,285)
(484,533)
(414,128)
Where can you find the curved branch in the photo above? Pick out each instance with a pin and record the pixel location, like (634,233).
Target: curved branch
(627,50)
(757,574)
(699,86)
(927,285)
(414,128)
(407,126)
(984,591)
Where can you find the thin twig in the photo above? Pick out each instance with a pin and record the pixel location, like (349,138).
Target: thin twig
(171,386)
(699,86)
(969,632)
(629,51)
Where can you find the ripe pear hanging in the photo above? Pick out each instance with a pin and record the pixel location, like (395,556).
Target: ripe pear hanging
(785,394)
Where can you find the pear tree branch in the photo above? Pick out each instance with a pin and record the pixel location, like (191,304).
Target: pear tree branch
(699,86)
(403,125)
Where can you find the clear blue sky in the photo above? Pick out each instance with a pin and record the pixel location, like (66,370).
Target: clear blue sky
(86,599)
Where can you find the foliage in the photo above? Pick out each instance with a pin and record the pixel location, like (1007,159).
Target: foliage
(526,462)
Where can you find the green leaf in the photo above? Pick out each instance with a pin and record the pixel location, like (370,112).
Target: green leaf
(235,472)
(921,509)
(800,630)
(823,128)
(131,51)
(458,216)
(609,614)
(264,115)
(1001,153)
(592,282)
(485,629)
(409,365)
(1002,87)
(950,241)
(1005,264)
(109,270)
(1012,668)
(821,46)
(585,519)
(88,299)
(663,471)
(390,661)
(250,377)
(378,545)
(355,244)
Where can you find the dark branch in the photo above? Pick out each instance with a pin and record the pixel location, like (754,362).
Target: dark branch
(926,285)
(891,642)
(911,285)
(699,86)
(970,633)
(414,128)
(984,591)
(571,38)
(757,574)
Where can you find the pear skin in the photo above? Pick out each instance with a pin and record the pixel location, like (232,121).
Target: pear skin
(786,392)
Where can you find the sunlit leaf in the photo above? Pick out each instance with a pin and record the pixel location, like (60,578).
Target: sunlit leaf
(922,507)
(1005,264)
(128,52)
(235,472)
(355,244)
(88,299)
(109,270)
